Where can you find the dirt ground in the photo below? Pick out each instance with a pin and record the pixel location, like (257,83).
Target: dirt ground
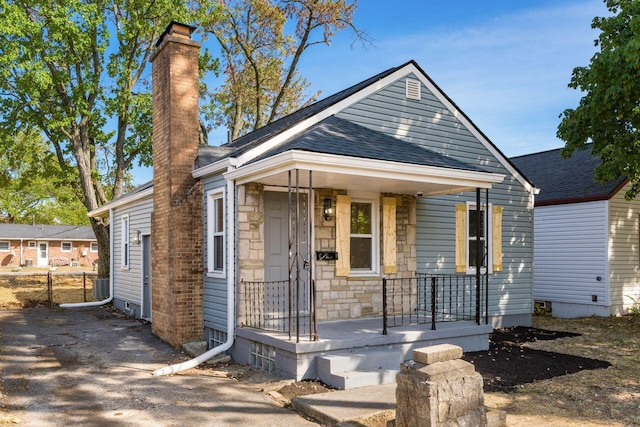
(561,372)
(571,372)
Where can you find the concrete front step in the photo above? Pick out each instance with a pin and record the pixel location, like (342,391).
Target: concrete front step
(359,369)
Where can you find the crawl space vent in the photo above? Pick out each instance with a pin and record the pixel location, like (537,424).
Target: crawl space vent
(413,89)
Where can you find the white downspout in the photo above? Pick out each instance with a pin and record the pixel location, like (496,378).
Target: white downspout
(108,300)
(231,303)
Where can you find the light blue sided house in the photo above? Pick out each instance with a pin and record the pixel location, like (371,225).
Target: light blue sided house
(334,240)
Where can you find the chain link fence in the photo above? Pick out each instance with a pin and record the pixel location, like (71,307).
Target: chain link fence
(51,289)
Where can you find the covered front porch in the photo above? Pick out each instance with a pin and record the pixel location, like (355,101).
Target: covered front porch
(351,342)
(421,311)
(346,288)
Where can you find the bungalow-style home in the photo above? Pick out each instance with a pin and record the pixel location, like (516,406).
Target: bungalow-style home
(586,237)
(337,238)
(24,245)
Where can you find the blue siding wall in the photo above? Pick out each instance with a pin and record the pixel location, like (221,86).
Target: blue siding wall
(428,122)
(215,289)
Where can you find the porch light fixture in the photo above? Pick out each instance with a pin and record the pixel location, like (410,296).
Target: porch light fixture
(328,209)
(137,237)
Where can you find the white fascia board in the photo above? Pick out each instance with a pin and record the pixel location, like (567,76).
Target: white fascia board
(345,165)
(471,128)
(126,200)
(327,112)
(214,168)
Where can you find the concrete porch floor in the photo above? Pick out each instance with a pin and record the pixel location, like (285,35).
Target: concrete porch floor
(296,360)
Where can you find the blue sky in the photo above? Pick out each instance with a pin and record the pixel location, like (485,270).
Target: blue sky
(505,63)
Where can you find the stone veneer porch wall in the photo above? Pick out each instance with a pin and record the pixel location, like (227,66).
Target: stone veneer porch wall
(338,298)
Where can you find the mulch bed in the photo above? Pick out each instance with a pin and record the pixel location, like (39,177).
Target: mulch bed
(509,363)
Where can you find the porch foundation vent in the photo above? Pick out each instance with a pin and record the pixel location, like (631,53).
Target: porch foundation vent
(217,338)
(413,89)
(263,357)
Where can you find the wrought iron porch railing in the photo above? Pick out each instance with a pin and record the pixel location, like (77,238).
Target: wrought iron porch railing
(279,306)
(433,298)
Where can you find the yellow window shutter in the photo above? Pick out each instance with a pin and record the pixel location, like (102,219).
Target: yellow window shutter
(343,235)
(389,258)
(461,238)
(496,238)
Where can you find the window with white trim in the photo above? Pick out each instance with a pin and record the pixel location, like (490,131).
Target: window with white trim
(66,247)
(5,246)
(93,247)
(473,216)
(490,238)
(32,244)
(124,242)
(216,233)
(364,243)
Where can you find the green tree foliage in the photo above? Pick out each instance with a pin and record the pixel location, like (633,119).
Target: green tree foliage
(76,70)
(262,42)
(33,187)
(608,115)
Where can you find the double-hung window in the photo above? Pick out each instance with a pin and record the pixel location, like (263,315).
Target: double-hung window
(361,237)
(358,231)
(124,242)
(216,233)
(475,244)
(66,247)
(4,246)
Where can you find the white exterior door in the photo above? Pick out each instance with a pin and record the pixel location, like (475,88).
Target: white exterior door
(43,254)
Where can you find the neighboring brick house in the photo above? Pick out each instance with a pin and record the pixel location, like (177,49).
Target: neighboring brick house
(47,245)
(366,208)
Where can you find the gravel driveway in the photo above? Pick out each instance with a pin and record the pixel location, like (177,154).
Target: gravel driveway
(91,367)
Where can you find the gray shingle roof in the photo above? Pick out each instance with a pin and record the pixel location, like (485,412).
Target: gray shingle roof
(565,180)
(342,137)
(46,232)
(258,136)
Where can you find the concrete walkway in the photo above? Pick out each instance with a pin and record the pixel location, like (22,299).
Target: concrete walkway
(348,405)
(81,367)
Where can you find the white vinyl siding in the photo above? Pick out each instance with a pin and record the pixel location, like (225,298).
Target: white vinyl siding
(571,253)
(128,282)
(429,123)
(624,254)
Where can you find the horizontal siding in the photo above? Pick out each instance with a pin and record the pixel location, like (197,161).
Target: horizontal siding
(429,123)
(624,255)
(570,252)
(128,283)
(215,289)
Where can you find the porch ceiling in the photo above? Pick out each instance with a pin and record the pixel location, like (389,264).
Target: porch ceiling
(358,174)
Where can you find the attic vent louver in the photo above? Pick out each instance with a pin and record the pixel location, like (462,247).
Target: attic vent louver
(413,89)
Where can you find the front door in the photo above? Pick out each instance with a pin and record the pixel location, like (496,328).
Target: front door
(146,277)
(281,261)
(43,254)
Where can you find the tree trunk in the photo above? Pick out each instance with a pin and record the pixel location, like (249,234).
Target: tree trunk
(100,227)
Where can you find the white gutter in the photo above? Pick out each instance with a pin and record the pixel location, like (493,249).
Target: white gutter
(108,300)
(172,369)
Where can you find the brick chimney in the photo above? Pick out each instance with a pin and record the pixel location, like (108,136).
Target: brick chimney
(177,219)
